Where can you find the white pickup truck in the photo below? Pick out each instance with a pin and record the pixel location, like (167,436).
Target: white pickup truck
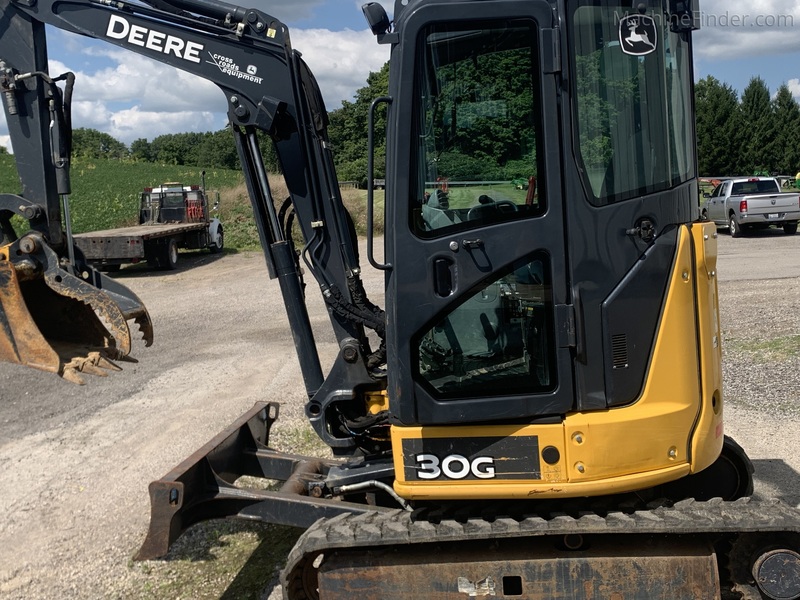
(752,202)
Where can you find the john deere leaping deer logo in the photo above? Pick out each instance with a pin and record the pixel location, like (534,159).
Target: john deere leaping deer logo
(637,35)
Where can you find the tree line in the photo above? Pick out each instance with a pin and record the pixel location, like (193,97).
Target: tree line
(347,132)
(210,149)
(754,133)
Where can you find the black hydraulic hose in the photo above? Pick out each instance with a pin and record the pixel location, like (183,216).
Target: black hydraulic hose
(336,300)
(365,305)
(283,210)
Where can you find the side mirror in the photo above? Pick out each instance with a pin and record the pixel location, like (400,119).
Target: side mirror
(706,195)
(684,15)
(377,18)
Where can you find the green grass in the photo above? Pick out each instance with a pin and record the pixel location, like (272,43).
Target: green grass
(105,195)
(466,197)
(215,560)
(767,351)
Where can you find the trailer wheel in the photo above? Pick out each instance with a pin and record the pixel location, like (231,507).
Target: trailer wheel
(169,256)
(216,247)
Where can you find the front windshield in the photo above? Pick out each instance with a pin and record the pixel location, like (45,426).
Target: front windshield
(633,89)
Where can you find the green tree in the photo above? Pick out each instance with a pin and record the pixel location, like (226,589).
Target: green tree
(348,130)
(759,147)
(177,148)
(218,150)
(718,128)
(787,124)
(91,143)
(141,150)
(484,125)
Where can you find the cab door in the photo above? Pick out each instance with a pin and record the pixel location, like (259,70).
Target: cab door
(480,326)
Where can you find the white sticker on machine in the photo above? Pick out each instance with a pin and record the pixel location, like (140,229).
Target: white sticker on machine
(638,35)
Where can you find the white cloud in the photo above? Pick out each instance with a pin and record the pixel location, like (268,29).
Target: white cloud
(134,78)
(740,28)
(5,141)
(135,123)
(794,87)
(340,60)
(138,97)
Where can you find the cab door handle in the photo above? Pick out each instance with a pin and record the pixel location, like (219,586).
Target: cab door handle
(443,277)
(472,244)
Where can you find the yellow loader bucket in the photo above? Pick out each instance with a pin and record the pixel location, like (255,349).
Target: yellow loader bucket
(52,320)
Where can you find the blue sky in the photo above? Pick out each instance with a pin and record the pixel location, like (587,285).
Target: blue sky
(114,90)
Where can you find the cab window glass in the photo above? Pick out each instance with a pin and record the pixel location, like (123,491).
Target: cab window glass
(633,90)
(478,152)
(500,340)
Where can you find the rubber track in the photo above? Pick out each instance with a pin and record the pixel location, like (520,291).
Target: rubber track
(402,529)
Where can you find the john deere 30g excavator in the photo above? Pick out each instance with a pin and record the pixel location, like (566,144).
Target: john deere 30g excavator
(542,416)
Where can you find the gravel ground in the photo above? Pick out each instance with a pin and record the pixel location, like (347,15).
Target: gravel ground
(75,461)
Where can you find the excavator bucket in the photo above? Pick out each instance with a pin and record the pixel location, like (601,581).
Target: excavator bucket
(53,320)
(20,339)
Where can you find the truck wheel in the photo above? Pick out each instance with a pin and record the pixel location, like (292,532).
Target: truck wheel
(734,228)
(169,255)
(790,228)
(216,248)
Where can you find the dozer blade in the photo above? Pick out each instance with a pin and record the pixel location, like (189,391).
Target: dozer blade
(55,321)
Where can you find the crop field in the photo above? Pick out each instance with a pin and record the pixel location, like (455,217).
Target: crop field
(105,194)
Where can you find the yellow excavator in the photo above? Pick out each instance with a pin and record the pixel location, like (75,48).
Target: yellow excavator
(538,412)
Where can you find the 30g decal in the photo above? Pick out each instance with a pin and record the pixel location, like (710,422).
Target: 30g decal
(454,466)
(464,459)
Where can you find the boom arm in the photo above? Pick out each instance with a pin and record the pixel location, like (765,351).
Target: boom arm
(248,55)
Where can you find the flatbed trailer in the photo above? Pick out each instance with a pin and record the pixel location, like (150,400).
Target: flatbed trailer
(171,216)
(157,244)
